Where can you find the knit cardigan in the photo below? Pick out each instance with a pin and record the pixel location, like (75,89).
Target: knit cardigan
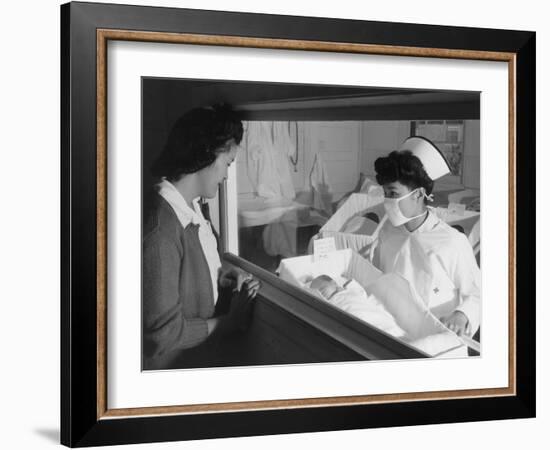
(177,294)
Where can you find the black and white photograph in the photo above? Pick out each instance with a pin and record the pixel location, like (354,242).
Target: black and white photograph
(279,224)
(294,223)
(275,225)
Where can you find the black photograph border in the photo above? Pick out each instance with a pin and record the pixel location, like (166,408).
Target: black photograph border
(84,418)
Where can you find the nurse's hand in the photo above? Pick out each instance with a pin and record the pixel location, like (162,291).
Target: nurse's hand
(457,322)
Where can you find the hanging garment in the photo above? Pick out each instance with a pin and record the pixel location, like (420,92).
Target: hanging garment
(320,186)
(261,164)
(283,148)
(438,262)
(268,147)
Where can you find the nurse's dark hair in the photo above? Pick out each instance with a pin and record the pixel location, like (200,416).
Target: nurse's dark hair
(403,166)
(196,139)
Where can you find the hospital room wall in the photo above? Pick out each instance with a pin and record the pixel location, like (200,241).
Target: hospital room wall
(381,137)
(337,143)
(472,153)
(349,148)
(339,146)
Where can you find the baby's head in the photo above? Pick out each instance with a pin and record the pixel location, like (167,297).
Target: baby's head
(325,285)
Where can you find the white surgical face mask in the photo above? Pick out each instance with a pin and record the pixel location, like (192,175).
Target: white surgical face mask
(396,216)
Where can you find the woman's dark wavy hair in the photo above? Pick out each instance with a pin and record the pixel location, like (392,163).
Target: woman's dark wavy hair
(403,166)
(196,139)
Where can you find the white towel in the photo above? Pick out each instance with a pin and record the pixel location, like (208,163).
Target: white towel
(268,145)
(261,166)
(283,148)
(320,186)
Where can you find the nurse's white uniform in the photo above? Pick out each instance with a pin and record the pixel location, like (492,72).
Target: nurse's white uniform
(439,263)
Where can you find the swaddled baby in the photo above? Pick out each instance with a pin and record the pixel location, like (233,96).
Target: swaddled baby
(353,299)
(326,286)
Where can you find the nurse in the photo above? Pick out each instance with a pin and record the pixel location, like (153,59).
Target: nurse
(182,270)
(437,260)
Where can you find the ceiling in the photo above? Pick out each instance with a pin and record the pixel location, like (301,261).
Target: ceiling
(283,101)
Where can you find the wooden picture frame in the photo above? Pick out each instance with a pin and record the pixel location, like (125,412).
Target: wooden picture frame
(86,418)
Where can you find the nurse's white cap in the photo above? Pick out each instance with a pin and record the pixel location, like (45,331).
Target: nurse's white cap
(429,155)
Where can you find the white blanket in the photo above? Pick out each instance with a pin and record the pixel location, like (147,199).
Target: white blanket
(423,330)
(354,300)
(383,301)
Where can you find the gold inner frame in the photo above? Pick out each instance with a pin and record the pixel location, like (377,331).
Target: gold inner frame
(103,36)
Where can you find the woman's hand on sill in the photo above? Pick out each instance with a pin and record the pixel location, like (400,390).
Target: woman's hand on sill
(237,279)
(238,318)
(240,314)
